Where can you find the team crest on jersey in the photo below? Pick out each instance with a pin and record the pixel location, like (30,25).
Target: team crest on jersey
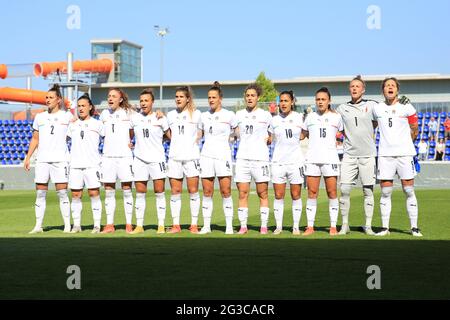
(254,117)
(216,118)
(326,120)
(117,116)
(184,117)
(393,111)
(291,121)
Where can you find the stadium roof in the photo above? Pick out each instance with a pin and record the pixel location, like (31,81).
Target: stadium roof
(327,79)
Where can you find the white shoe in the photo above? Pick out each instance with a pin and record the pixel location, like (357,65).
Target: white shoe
(96,230)
(229,230)
(368,231)
(295,231)
(344,230)
(76,229)
(67,229)
(277,231)
(205,230)
(416,232)
(36,230)
(383,233)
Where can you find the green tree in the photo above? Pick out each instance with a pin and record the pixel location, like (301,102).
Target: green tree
(269,92)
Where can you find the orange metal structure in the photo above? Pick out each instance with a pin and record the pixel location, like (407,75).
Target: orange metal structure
(24,95)
(95,66)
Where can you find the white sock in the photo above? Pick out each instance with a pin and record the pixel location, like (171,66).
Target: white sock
(195,207)
(128,205)
(297,212)
(278,210)
(227,204)
(140,208)
(344,202)
(96,205)
(64,206)
(207,208)
(110,205)
(243,216)
(369,204)
(39,207)
(161,207)
(411,205)
(76,207)
(333,208)
(264,211)
(175,208)
(385,205)
(311,208)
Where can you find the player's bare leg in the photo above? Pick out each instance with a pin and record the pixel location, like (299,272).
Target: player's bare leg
(194,202)
(278,206)
(262,191)
(227,203)
(244,190)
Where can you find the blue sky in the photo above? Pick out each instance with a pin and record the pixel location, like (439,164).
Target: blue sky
(236,39)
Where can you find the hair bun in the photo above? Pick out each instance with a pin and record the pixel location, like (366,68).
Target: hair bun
(216,84)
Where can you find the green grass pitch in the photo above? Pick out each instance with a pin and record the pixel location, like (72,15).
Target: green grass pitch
(216,266)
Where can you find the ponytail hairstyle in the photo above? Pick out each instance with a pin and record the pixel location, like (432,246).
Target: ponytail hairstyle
(216,87)
(125,104)
(325,90)
(56,89)
(190,95)
(86,97)
(290,93)
(360,79)
(256,87)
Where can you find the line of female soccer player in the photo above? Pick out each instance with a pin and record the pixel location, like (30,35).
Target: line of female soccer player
(133,152)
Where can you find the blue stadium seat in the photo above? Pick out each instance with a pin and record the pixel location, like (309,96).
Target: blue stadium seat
(12,148)
(20,128)
(426,129)
(19,122)
(14,156)
(3,162)
(17,162)
(419,122)
(426,122)
(7,156)
(2,156)
(19,148)
(447,152)
(441,135)
(420,115)
(1,122)
(432,144)
(447,144)
(6,123)
(15,135)
(29,135)
(427,115)
(2,136)
(4,142)
(447,158)
(6,129)
(9,162)
(22,155)
(435,115)
(25,148)
(25,122)
(2,129)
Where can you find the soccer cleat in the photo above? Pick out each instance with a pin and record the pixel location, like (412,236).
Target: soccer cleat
(76,229)
(67,229)
(383,232)
(368,230)
(193,228)
(129,228)
(137,230)
(416,232)
(229,230)
(295,232)
(36,230)
(243,230)
(96,230)
(344,230)
(175,229)
(277,231)
(308,231)
(109,228)
(333,231)
(205,230)
(161,230)
(263,230)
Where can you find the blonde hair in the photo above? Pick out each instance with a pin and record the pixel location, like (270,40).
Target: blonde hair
(190,95)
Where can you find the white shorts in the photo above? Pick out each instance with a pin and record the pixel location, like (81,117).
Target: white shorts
(215,168)
(57,172)
(178,169)
(116,168)
(86,177)
(248,169)
(145,171)
(292,173)
(402,166)
(353,168)
(317,170)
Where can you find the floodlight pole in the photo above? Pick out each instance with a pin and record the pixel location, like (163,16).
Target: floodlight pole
(161,32)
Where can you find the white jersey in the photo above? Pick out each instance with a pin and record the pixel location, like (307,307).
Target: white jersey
(395,132)
(117,127)
(217,128)
(287,131)
(184,129)
(253,130)
(85,137)
(358,127)
(149,132)
(52,128)
(322,137)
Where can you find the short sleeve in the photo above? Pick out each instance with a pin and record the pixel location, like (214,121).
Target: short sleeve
(305,123)
(69,130)
(164,124)
(340,124)
(102,116)
(201,124)
(234,122)
(36,123)
(410,110)
(101,129)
